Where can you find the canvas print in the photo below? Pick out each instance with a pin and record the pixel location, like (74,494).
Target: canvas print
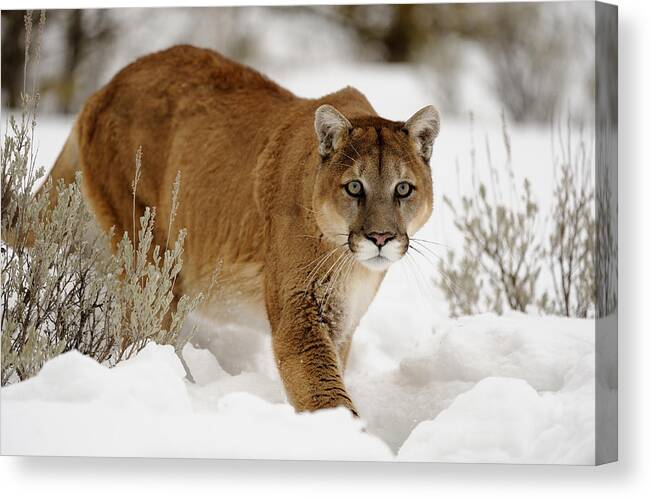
(379,232)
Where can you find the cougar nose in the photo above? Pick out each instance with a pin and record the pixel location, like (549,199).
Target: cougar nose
(380,238)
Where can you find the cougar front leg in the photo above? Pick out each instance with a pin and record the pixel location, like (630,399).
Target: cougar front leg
(307,357)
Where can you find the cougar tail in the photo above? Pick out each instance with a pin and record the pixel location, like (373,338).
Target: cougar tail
(65,168)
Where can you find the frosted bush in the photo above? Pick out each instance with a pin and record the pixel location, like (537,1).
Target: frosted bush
(62,287)
(571,247)
(505,248)
(501,246)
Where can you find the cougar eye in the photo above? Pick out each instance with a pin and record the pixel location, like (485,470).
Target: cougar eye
(354,188)
(404,189)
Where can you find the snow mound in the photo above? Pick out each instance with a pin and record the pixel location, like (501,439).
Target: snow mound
(467,382)
(516,389)
(144,407)
(503,420)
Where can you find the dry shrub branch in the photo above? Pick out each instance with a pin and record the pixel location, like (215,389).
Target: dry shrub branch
(506,247)
(62,287)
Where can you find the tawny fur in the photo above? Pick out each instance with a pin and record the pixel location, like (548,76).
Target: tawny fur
(256,195)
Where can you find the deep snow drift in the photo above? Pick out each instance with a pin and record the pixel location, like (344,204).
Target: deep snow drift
(510,389)
(143,407)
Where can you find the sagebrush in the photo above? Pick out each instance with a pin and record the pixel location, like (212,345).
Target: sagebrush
(501,251)
(62,286)
(508,244)
(570,252)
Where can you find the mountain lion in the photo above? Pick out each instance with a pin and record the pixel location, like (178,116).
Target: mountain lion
(306,202)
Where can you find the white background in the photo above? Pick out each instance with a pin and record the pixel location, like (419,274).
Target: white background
(79,477)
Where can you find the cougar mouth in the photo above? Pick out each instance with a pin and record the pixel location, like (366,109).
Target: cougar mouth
(373,256)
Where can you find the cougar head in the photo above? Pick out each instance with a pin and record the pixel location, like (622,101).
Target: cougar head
(374,183)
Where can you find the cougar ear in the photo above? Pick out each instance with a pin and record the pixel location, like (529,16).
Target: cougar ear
(423,127)
(330,126)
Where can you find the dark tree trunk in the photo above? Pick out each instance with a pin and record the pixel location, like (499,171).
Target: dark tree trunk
(13,56)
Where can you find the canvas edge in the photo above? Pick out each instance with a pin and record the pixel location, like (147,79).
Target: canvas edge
(606,172)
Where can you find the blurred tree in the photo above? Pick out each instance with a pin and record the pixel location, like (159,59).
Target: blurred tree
(83,31)
(528,45)
(13,56)
(398,33)
(528,48)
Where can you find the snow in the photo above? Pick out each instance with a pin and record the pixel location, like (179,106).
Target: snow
(548,355)
(143,407)
(500,420)
(532,395)
(516,388)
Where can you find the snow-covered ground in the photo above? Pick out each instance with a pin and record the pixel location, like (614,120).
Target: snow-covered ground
(516,388)
(481,389)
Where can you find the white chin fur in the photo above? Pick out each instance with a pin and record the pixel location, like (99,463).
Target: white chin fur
(376,260)
(377,263)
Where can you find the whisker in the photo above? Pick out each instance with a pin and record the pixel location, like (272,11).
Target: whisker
(403,269)
(429,242)
(355,149)
(411,270)
(351,267)
(308,264)
(318,258)
(330,282)
(339,246)
(419,252)
(450,284)
(325,276)
(308,209)
(352,159)
(348,263)
(312,276)
(415,275)
(352,260)
(425,248)
(334,280)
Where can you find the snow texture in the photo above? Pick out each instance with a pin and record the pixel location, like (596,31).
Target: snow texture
(144,407)
(514,389)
